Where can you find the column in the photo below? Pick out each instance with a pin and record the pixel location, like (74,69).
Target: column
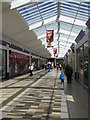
(38,63)
(30,58)
(55,61)
(68,58)
(7,47)
(75,59)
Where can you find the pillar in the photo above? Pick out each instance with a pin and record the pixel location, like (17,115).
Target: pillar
(30,58)
(38,62)
(68,58)
(7,47)
(75,58)
(55,61)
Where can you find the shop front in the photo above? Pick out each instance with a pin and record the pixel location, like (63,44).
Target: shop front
(82,64)
(3,63)
(18,64)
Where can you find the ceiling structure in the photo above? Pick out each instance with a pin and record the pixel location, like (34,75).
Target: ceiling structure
(16,32)
(65,17)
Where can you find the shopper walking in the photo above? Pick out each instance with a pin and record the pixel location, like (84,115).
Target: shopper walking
(31,70)
(68,72)
(62,78)
(57,66)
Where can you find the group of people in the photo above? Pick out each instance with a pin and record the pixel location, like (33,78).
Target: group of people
(68,72)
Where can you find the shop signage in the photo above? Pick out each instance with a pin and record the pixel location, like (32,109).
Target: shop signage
(80,36)
(88,23)
(17,56)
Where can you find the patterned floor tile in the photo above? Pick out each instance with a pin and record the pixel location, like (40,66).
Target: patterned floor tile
(42,103)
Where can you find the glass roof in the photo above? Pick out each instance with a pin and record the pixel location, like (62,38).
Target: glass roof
(45,15)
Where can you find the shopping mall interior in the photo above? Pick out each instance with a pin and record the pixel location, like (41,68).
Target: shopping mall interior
(41,40)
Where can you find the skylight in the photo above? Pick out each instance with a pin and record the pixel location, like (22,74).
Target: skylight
(43,15)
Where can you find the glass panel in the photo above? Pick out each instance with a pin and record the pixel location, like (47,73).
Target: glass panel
(86,63)
(48,8)
(65,26)
(80,56)
(27,8)
(41,36)
(30,20)
(64,36)
(85,4)
(69,3)
(72,37)
(35,25)
(64,31)
(52,26)
(40,31)
(36,14)
(66,19)
(49,15)
(50,20)
(46,5)
(82,17)
(66,9)
(47,12)
(34,22)
(67,13)
(77,29)
(3,63)
(80,22)
(74,34)
(70,7)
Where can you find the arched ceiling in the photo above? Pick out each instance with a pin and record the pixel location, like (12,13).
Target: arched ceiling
(26,21)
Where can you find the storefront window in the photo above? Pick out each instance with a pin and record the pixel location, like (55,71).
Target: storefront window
(18,64)
(3,63)
(0,64)
(86,63)
(77,65)
(35,63)
(81,64)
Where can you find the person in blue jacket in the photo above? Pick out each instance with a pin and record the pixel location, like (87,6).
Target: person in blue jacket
(62,78)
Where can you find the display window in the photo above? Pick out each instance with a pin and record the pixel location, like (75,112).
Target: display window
(81,63)
(3,64)
(34,63)
(0,64)
(18,64)
(86,63)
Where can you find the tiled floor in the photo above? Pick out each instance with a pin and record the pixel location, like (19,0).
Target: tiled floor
(35,98)
(77,98)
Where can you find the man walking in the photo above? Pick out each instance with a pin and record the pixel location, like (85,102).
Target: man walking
(68,72)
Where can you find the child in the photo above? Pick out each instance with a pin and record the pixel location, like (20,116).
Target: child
(62,78)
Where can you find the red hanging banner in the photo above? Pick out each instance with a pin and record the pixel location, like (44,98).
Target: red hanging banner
(55,51)
(49,37)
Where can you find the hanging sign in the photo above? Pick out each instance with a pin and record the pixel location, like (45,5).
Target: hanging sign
(55,51)
(49,37)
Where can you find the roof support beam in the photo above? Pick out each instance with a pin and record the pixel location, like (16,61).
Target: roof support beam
(58,24)
(73,23)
